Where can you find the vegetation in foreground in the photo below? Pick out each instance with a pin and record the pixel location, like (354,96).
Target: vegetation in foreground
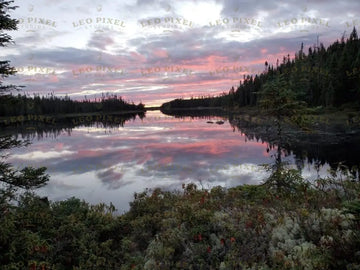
(286,223)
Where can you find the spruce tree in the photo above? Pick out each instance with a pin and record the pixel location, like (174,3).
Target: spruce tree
(12,179)
(6,24)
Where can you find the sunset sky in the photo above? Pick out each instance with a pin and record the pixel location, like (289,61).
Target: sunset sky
(110,164)
(154,51)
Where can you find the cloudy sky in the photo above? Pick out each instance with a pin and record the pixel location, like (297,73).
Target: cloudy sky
(154,51)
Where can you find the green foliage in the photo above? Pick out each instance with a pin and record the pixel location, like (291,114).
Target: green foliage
(14,240)
(285,180)
(278,99)
(13,180)
(353,207)
(323,77)
(286,223)
(302,226)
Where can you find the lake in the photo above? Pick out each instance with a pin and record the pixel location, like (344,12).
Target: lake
(107,163)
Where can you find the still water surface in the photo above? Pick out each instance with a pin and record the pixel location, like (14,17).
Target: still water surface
(110,164)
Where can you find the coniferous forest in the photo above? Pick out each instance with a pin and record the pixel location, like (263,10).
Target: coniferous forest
(283,223)
(11,105)
(327,77)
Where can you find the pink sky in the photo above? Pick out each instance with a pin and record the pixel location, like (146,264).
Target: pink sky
(148,51)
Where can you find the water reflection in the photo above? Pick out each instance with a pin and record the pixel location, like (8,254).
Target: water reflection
(332,145)
(104,162)
(31,126)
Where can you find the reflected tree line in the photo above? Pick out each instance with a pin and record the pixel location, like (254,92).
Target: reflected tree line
(306,85)
(315,147)
(238,228)
(65,123)
(318,147)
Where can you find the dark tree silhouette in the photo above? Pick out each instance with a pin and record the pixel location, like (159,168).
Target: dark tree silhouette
(7,24)
(12,179)
(327,77)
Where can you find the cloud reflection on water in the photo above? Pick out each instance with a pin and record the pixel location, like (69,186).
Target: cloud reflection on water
(154,152)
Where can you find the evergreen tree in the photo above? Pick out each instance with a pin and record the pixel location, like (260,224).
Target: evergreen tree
(278,100)
(11,179)
(8,24)
(322,77)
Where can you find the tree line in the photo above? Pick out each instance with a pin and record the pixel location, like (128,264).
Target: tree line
(327,77)
(13,105)
(300,225)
